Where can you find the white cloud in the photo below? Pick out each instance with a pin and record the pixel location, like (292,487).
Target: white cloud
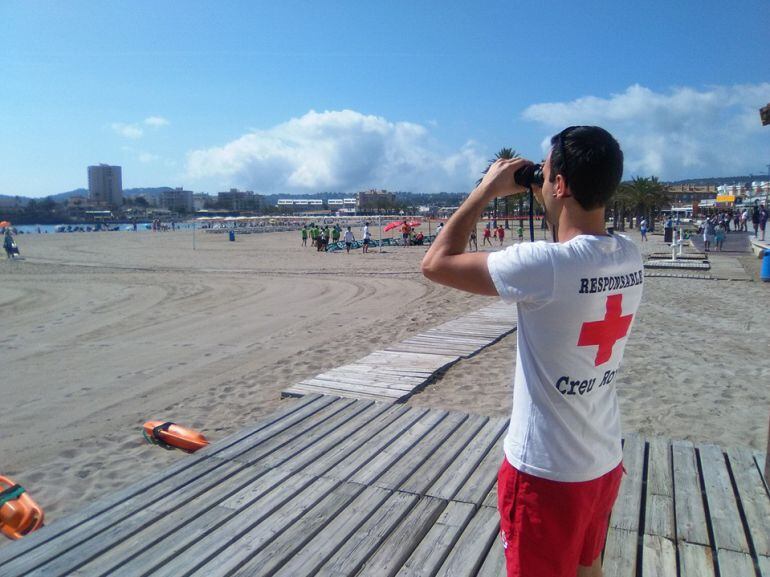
(146,157)
(156,121)
(677,134)
(131,131)
(337,150)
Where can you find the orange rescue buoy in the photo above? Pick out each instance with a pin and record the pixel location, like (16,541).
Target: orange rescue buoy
(19,514)
(172,436)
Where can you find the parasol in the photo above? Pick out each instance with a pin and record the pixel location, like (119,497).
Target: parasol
(392,225)
(4,224)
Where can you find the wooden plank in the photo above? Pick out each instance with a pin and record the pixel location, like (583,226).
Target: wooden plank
(231,547)
(252,454)
(369,446)
(467,556)
(723,510)
(310,435)
(446,453)
(366,380)
(391,453)
(318,550)
(120,516)
(688,500)
(89,521)
(456,474)
(753,498)
(659,509)
(395,475)
(494,564)
(436,545)
(166,529)
(302,390)
(627,509)
(402,541)
(620,553)
(375,416)
(735,563)
(491,499)
(695,560)
(336,386)
(484,476)
(658,557)
(374,434)
(195,535)
(350,557)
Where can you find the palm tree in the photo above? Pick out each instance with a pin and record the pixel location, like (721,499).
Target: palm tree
(505,154)
(644,197)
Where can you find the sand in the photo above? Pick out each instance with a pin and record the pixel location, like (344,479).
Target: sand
(103,331)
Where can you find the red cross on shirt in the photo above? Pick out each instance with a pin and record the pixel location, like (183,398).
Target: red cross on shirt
(605,333)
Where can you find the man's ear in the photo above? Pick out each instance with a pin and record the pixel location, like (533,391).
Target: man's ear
(561,189)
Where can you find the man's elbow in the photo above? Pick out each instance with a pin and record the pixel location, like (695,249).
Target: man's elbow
(428,268)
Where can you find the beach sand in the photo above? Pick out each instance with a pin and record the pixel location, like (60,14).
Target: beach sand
(103,331)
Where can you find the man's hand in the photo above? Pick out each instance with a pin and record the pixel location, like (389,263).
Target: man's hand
(498,181)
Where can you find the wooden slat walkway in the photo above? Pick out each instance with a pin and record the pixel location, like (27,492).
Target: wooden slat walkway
(677,264)
(402,369)
(338,486)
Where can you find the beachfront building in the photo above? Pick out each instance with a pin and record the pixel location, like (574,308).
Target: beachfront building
(371,200)
(177,200)
(240,200)
(105,185)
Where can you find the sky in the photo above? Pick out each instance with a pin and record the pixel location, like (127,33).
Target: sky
(300,97)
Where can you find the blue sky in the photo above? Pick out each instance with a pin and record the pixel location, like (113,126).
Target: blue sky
(291,97)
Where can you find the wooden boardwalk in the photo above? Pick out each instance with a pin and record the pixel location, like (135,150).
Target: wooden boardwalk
(402,369)
(337,486)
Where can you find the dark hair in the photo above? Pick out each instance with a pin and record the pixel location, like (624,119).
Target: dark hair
(590,160)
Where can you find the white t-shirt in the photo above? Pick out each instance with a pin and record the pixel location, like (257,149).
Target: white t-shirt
(349,236)
(576,302)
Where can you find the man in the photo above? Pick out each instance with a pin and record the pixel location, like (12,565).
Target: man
(349,239)
(576,300)
(405,230)
(762,220)
(366,238)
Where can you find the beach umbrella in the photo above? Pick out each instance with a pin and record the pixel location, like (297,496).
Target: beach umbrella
(414,223)
(392,225)
(5,224)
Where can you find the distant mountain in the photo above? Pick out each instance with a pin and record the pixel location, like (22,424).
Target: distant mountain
(722,180)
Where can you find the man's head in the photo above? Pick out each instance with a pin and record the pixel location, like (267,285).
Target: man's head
(590,163)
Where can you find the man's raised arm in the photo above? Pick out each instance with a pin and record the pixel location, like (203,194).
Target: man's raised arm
(446,261)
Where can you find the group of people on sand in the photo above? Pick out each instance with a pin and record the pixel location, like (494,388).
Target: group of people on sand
(321,235)
(489,231)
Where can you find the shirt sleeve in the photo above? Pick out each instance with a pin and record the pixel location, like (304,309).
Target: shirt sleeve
(523,273)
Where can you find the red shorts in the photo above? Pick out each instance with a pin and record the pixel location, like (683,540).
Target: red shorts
(547,527)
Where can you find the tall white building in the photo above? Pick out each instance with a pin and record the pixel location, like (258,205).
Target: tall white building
(105,185)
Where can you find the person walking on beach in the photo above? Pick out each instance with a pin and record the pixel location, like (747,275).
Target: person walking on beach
(487,234)
(755,220)
(719,235)
(349,239)
(520,232)
(709,234)
(762,220)
(304,235)
(472,243)
(576,301)
(366,238)
(501,234)
(8,244)
(643,229)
